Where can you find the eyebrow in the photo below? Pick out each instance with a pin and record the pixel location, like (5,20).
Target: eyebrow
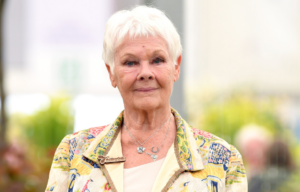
(156,52)
(159,51)
(127,55)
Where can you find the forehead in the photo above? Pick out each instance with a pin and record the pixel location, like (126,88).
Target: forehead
(140,44)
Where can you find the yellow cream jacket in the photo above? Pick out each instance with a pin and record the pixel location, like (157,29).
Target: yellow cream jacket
(91,160)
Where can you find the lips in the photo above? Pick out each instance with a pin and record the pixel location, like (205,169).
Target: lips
(145,89)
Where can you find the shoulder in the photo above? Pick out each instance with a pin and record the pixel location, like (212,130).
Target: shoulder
(86,134)
(89,133)
(209,138)
(214,149)
(78,142)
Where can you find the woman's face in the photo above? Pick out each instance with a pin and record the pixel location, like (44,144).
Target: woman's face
(144,72)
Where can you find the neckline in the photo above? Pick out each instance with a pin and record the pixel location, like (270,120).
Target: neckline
(147,164)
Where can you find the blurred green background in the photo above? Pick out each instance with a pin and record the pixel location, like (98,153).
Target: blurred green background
(26,161)
(32,139)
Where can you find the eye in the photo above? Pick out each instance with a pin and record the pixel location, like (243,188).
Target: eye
(158,60)
(129,63)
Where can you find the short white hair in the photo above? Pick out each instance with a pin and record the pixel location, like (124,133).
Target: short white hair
(141,21)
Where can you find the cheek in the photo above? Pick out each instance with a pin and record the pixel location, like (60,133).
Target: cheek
(165,77)
(125,79)
(170,71)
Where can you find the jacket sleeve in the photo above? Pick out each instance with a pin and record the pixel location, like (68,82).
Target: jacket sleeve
(236,179)
(58,177)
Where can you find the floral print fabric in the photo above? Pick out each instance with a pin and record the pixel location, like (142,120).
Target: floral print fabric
(208,163)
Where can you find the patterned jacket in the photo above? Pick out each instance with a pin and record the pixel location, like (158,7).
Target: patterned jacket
(197,161)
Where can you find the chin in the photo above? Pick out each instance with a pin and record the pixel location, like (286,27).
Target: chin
(147,104)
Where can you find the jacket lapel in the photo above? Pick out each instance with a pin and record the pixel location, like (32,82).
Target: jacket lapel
(115,170)
(188,151)
(109,144)
(170,169)
(182,156)
(103,142)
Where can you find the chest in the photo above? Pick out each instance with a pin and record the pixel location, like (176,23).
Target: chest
(93,179)
(152,150)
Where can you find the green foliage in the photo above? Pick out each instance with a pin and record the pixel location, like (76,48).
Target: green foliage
(34,139)
(225,115)
(46,128)
(291,184)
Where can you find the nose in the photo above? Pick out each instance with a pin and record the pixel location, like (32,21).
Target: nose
(145,72)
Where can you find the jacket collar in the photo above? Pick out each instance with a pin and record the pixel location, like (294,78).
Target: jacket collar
(188,152)
(186,149)
(104,141)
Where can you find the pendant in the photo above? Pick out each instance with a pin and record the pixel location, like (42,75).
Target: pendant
(153,156)
(152,149)
(140,149)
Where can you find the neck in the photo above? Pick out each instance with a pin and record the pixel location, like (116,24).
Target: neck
(145,120)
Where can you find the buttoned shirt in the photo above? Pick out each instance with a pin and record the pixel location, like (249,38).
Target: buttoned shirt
(91,160)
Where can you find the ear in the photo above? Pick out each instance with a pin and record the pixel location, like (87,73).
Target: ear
(111,76)
(177,69)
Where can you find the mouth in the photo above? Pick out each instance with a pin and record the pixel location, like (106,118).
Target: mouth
(145,89)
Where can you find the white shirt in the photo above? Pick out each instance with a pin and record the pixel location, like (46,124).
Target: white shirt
(141,178)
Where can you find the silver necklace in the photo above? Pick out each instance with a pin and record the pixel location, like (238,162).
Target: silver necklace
(155,156)
(140,148)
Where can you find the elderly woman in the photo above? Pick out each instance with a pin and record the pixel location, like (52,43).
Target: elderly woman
(149,147)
